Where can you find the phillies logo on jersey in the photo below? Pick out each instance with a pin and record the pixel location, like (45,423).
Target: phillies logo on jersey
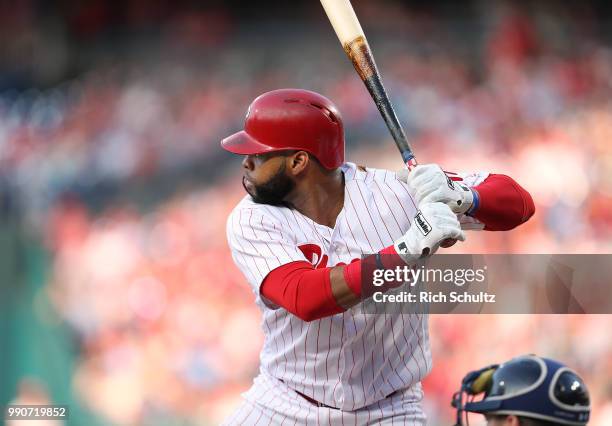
(314,254)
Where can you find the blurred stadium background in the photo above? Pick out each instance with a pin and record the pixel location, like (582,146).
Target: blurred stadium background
(117,291)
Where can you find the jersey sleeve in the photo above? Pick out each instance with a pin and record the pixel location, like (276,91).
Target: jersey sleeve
(469,223)
(259,244)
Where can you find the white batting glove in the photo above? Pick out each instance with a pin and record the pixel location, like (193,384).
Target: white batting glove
(433,224)
(429,184)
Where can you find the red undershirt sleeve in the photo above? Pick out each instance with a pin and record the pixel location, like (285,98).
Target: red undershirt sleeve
(306,292)
(302,290)
(502,203)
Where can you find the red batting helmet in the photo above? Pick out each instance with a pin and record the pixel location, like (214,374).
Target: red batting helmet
(291,119)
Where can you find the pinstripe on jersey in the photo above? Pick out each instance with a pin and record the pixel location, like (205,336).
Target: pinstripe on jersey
(350,360)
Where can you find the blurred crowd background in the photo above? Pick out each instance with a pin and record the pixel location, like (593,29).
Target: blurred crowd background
(118,292)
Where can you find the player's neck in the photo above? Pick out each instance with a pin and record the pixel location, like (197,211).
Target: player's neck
(321,199)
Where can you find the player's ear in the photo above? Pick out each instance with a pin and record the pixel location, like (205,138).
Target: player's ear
(298,162)
(512,421)
(502,420)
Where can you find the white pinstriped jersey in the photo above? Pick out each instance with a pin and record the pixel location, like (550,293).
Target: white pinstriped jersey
(349,360)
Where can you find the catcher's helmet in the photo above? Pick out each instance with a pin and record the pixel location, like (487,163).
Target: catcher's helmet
(288,119)
(526,386)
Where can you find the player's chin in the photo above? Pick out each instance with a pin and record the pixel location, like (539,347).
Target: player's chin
(248,186)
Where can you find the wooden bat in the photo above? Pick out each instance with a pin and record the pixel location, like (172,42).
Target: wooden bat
(353,40)
(342,17)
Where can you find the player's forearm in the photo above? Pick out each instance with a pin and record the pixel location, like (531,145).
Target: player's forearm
(302,290)
(344,296)
(350,281)
(501,203)
(312,294)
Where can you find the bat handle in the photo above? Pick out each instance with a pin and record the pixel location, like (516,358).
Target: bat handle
(409,160)
(449,242)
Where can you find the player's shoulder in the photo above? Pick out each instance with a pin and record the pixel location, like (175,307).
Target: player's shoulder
(248,212)
(374,180)
(378,184)
(368,175)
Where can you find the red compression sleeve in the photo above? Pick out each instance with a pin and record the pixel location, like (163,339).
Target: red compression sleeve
(302,290)
(387,258)
(352,276)
(306,292)
(503,204)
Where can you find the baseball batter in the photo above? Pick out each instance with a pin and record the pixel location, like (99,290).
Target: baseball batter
(298,237)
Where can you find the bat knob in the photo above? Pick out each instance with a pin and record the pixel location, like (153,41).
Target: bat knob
(448,243)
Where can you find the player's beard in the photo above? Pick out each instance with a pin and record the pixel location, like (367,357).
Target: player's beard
(273,191)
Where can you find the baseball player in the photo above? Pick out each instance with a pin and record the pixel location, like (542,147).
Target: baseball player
(525,391)
(298,237)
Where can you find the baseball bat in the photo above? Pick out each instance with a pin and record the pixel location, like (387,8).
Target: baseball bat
(353,40)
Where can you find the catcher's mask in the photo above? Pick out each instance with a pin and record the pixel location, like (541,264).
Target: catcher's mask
(526,386)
